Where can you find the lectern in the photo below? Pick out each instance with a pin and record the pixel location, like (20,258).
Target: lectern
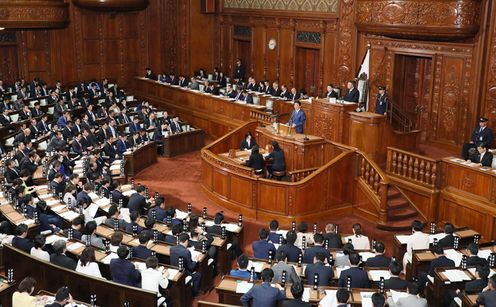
(367,133)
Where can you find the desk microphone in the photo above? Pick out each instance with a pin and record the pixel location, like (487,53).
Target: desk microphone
(306,138)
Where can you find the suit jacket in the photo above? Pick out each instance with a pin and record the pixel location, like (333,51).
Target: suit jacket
(11,174)
(359,278)
(379,261)
(410,301)
(310,253)
(29,165)
(262,295)
(331,94)
(121,147)
(124,272)
(325,274)
(295,303)
(77,147)
(137,203)
(84,197)
(176,127)
(239,72)
(133,128)
(381,104)
(141,252)
(447,241)
(63,261)
(279,267)
(333,240)
(23,244)
(292,252)
(487,159)
(244,144)
(395,283)
(473,260)
(484,136)
(261,249)
(475,285)
(298,119)
(42,126)
(256,162)
(181,251)
(279,163)
(352,96)
(294,96)
(442,261)
(109,151)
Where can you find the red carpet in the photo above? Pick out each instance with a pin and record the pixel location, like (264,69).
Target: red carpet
(179,180)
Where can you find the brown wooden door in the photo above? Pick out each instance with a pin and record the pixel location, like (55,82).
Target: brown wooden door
(9,70)
(307,70)
(243,51)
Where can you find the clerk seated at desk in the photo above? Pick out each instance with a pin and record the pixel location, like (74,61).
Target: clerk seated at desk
(277,156)
(248,142)
(481,134)
(484,158)
(256,161)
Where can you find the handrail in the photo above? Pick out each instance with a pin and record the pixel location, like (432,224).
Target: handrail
(298,175)
(399,117)
(413,167)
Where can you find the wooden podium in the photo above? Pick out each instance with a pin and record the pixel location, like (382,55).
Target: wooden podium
(367,133)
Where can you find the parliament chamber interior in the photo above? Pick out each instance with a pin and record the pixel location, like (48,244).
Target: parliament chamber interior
(247,153)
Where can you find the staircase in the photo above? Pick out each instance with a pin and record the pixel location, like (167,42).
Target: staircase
(400,212)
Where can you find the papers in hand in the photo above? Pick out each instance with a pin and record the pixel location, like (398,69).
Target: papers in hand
(396,295)
(376,275)
(243,287)
(74,246)
(403,239)
(437,236)
(456,275)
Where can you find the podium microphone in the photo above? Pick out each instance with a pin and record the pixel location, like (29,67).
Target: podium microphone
(306,138)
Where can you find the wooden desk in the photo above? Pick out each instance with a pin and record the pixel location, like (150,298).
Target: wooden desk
(184,142)
(141,158)
(6,291)
(421,260)
(469,300)
(42,293)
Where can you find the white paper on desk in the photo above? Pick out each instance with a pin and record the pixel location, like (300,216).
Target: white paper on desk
(232,227)
(437,236)
(431,278)
(27,222)
(74,246)
(366,255)
(243,287)
(126,187)
(52,238)
(377,274)
(484,253)
(116,162)
(128,192)
(209,223)
(44,196)
(340,269)
(102,202)
(456,275)
(454,255)
(51,203)
(181,214)
(195,254)
(141,266)
(257,265)
(93,196)
(306,294)
(276,245)
(172,273)
(282,232)
(92,209)
(403,239)
(491,272)
(329,299)
(58,208)
(396,295)
(366,299)
(40,187)
(115,167)
(125,215)
(109,258)
(69,215)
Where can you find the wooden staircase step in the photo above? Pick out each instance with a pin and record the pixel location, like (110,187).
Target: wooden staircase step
(396,226)
(397,203)
(401,214)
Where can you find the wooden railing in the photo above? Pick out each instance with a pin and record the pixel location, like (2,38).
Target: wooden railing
(412,167)
(298,175)
(263,117)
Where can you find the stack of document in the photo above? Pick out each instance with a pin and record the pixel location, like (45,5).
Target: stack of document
(74,246)
(456,275)
(437,236)
(454,255)
(396,295)
(376,275)
(403,238)
(243,287)
(367,299)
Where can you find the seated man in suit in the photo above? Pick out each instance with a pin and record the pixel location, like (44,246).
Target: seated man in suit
(190,263)
(298,118)
(289,248)
(412,300)
(474,286)
(472,259)
(216,228)
(264,294)
(332,237)
(449,239)
(63,297)
(142,251)
(318,247)
(59,257)
(248,142)
(330,92)
(353,94)
(137,201)
(115,218)
(274,237)
(122,145)
(481,134)
(84,194)
(193,84)
(484,158)
(242,270)
(297,292)
(395,282)
(294,95)
(123,270)
(488,296)
(20,241)
(359,278)
(134,127)
(159,211)
(176,125)
(262,247)
(379,260)
(324,272)
(441,261)
(282,266)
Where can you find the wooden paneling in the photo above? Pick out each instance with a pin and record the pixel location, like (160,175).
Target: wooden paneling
(9,71)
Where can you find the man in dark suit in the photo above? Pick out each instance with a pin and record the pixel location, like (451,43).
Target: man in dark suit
(239,71)
(297,292)
(488,297)
(190,264)
(441,261)
(159,211)
(30,163)
(25,113)
(134,127)
(474,286)
(149,74)
(274,237)
(262,247)
(176,125)
(379,260)
(484,157)
(109,150)
(449,239)
(264,294)
(294,95)
(481,134)
(353,94)
(359,278)
(84,194)
(473,260)
(289,248)
(123,270)
(395,282)
(284,92)
(382,101)
(318,247)
(332,237)
(298,118)
(318,266)
(59,258)
(43,124)
(20,241)
(330,93)
(137,201)
(142,251)
(122,145)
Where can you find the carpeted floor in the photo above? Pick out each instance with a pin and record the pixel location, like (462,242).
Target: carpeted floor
(179,180)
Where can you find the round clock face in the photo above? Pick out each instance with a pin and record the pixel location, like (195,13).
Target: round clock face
(272,44)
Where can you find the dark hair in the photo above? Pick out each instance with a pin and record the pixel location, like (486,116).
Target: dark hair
(437,250)
(116,238)
(39,241)
(358,229)
(27,284)
(133,216)
(354,258)
(122,252)
(140,189)
(417,225)
(318,238)
(483,270)
(413,288)
(348,248)
(243,261)
(183,237)
(273,225)
(449,228)
(291,237)
(302,227)
(113,210)
(159,201)
(176,229)
(280,255)
(90,227)
(395,268)
(151,262)
(87,256)
(219,217)
(320,256)
(473,248)
(143,237)
(275,146)
(378,300)
(297,290)
(24,173)
(21,228)
(297,102)
(342,295)
(62,294)
(149,222)
(263,234)
(379,247)
(267,275)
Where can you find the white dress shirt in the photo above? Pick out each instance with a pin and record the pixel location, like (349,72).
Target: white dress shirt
(359,242)
(152,279)
(90,268)
(40,254)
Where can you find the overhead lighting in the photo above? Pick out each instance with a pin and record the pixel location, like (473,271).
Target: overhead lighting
(2,28)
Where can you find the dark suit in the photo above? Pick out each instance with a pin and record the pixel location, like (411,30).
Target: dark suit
(42,126)
(124,272)
(484,136)
(23,244)
(239,72)
(141,252)
(63,261)
(381,104)
(310,253)
(189,265)
(359,278)
(487,159)
(440,262)
(11,174)
(262,295)
(261,249)
(447,241)
(295,303)
(256,161)
(474,260)
(292,252)
(244,144)
(379,261)
(325,274)
(133,128)
(352,96)
(331,94)
(121,147)
(333,240)
(176,127)
(279,163)
(487,298)
(274,237)
(83,196)
(395,283)
(137,203)
(298,119)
